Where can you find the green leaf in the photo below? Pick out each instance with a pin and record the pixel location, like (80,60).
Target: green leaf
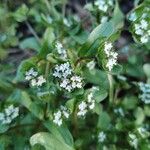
(3,128)
(29,43)
(118,17)
(62,133)
(49,35)
(116,69)
(104,121)
(100,95)
(140,116)
(104,30)
(21,13)
(70,104)
(130,102)
(97,77)
(49,141)
(146,68)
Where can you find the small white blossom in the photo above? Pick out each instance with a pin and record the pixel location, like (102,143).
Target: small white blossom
(62,71)
(76,81)
(68,81)
(30,74)
(61,51)
(104,5)
(141,29)
(133,140)
(119,111)
(91,65)
(82,109)
(144,39)
(58,118)
(133,16)
(145,92)
(40,80)
(101,137)
(111,55)
(65,111)
(33,82)
(9,114)
(34,79)
(91,101)
(144,24)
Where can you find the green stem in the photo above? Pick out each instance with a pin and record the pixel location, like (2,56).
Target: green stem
(33,32)
(63,10)
(111,88)
(47,5)
(47,69)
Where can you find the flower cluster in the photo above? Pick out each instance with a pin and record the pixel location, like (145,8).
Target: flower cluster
(141,25)
(58,116)
(104,5)
(133,140)
(111,55)
(60,50)
(101,137)
(145,95)
(141,29)
(9,114)
(34,79)
(68,81)
(84,106)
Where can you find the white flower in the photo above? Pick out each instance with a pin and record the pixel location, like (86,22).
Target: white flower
(91,101)
(133,16)
(119,111)
(61,51)
(91,65)
(57,118)
(65,111)
(144,24)
(82,109)
(9,114)
(33,82)
(30,74)
(133,140)
(40,80)
(101,137)
(103,5)
(62,71)
(111,55)
(145,92)
(64,83)
(107,48)
(67,80)
(144,39)
(76,81)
